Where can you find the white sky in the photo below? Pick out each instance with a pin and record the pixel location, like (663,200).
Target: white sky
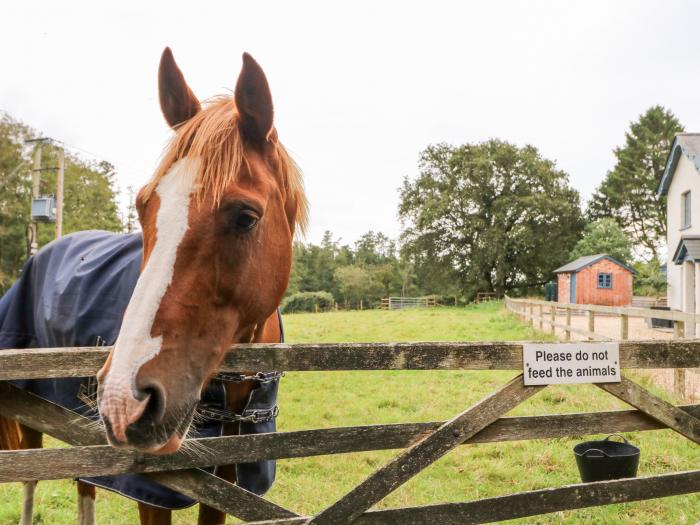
(360,88)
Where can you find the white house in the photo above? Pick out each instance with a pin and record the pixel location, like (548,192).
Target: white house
(681,184)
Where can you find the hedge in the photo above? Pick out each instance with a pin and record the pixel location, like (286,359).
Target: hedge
(308,302)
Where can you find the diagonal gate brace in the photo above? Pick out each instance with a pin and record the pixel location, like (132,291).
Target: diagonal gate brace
(74,429)
(409,463)
(640,398)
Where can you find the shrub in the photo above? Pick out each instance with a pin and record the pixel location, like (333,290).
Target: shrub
(308,302)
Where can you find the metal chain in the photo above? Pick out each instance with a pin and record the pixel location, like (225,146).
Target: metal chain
(261,377)
(248,416)
(229,416)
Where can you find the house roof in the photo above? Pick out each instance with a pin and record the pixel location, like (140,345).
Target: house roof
(688,248)
(588,260)
(687,144)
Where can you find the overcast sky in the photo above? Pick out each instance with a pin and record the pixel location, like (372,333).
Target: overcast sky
(360,88)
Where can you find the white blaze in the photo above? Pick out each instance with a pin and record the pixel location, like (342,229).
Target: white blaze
(134,345)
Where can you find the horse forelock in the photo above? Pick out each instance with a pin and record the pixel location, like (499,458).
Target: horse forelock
(213,137)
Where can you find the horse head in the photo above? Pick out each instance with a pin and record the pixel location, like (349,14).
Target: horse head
(218,220)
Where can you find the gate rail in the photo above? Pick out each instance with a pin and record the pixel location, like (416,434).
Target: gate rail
(423,442)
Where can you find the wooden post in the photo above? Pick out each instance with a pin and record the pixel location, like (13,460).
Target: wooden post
(591,323)
(679,373)
(679,383)
(59,193)
(532,315)
(679,329)
(624,326)
(541,319)
(36,184)
(567,332)
(552,318)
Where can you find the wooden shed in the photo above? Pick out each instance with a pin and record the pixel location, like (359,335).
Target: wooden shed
(595,279)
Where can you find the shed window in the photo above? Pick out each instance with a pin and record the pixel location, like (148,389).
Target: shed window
(604,280)
(685,210)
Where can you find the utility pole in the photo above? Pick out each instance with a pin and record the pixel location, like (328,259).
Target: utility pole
(59,193)
(36,186)
(36,182)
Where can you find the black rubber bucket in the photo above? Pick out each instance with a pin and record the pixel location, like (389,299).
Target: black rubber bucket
(606,459)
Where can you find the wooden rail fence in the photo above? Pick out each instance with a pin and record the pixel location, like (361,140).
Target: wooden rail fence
(423,442)
(543,313)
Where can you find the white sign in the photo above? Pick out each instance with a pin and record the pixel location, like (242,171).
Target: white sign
(567,363)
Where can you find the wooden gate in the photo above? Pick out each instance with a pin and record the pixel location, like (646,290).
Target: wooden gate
(399,303)
(424,443)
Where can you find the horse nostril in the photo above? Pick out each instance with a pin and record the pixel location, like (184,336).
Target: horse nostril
(155,408)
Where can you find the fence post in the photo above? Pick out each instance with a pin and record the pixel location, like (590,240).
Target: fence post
(679,329)
(532,315)
(541,319)
(591,324)
(679,373)
(679,383)
(567,331)
(624,326)
(552,318)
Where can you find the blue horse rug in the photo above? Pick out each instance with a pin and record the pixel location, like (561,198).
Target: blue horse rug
(74,292)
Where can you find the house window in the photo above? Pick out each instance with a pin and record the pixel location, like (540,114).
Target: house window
(604,280)
(685,210)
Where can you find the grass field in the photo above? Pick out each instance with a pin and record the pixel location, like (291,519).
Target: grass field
(317,400)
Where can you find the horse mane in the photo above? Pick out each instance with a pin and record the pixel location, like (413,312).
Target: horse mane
(213,136)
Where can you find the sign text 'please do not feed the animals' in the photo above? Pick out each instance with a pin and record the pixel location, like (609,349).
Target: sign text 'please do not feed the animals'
(567,363)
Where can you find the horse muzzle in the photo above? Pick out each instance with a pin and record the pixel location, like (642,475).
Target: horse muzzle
(145,421)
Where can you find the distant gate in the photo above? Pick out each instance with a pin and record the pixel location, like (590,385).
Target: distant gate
(398,303)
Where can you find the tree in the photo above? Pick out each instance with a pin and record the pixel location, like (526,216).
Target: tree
(314,266)
(628,192)
(15,194)
(89,195)
(374,248)
(650,280)
(489,216)
(604,236)
(354,283)
(131,219)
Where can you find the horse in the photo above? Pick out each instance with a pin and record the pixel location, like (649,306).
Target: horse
(214,256)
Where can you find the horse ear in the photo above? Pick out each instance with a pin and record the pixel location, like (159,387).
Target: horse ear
(254,101)
(176,98)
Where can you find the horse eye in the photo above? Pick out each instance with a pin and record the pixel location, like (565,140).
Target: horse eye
(245,221)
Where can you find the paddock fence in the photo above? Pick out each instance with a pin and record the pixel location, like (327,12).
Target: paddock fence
(543,315)
(423,443)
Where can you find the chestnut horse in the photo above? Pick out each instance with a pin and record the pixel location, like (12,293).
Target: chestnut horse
(218,220)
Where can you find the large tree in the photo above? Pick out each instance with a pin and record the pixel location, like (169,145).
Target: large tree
(489,217)
(15,192)
(628,192)
(89,195)
(604,236)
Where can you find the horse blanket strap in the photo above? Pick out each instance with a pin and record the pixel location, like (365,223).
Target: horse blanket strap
(260,377)
(211,412)
(229,416)
(74,293)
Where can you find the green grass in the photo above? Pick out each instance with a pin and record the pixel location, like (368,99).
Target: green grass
(328,399)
